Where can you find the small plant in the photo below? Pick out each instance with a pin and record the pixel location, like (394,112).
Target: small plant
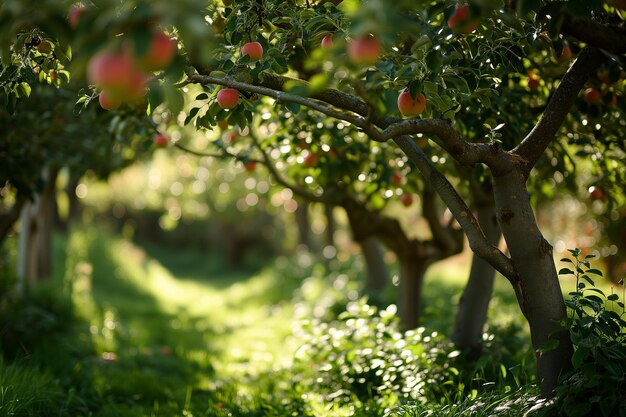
(596,386)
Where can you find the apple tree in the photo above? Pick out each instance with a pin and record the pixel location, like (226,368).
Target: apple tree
(465,59)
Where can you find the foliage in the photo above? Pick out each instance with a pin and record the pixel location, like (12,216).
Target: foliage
(597,383)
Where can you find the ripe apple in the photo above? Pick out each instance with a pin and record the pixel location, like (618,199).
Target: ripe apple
(160,140)
(461,23)
(74,16)
(533,80)
(396,178)
(250,166)
(115,72)
(159,54)
(253,49)
(596,193)
(566,54)
(227,98)
(327,42)
(592,96)
(406,199)
(108,102)
(310,160)
(410,106)
(364,50)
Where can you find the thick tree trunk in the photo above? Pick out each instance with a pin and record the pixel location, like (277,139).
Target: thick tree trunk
(538,290)
(302,222)
(377,274)
(472,313)
(412,271)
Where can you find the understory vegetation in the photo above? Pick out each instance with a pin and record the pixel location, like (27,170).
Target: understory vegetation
(133,329)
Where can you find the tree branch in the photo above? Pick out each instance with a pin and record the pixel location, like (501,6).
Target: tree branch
(446,191)
(611,38)
(477,240)
(535,143)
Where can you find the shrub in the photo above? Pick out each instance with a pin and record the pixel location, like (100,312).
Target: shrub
(597,383)
(363,361)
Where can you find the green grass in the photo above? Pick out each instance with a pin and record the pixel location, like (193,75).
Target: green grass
(134,329)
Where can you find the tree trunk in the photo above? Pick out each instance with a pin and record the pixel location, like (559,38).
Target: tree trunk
(45,222)
(473,307)
(412,271)
(538,290)
(27,249)
(377,274)
(330,225)
(74,212)
(302,222)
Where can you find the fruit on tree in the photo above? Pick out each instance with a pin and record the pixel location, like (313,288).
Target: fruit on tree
(74,16)
(396,178)
(596,193)
(364,50)
(44,47)
(592,96)
(461,22)
(108,102)
(115,72)
(160,52)
(254,50)
(327,42)
(406,199)
(566,54)
(410,106)
(250,166)
(310,160)
(533,80)
(227,98)
(160,140)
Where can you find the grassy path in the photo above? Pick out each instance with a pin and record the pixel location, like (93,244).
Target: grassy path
(167,332)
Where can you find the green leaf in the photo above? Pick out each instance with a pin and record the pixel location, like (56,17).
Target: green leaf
(548,346)
(594,271)
(293,107)
(579,356)
(566,271)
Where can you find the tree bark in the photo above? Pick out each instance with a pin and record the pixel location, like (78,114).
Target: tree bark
(474,304)
(538,291)
(376,273)
(302,222)
(412,271)
(329,233)
(45,221)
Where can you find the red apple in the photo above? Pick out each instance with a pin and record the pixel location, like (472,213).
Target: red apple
(160,52)
(108,102)
(396,178)
(596,193)
(460,22)
(410,106)
(250,166)
(160,140)
(227,98)
(310,160)
(566,54)
(592,96)
(115,72)
(74,16)
(533,80)
(364,50)
(253,49)
(327,42)
(406,199)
